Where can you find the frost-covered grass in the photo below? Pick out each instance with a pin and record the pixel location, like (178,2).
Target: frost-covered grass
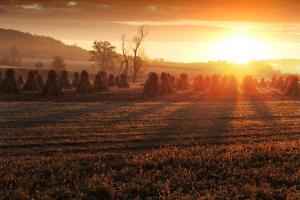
(163,150)
(258,171)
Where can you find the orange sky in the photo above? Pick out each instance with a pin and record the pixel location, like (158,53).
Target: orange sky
(110,10)
(179,30)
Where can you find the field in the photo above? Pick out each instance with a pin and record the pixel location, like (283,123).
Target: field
(180,148)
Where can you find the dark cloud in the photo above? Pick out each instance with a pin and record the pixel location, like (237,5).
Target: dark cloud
(134,10)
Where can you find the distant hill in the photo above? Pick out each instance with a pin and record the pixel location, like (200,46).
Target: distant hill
(255,68)
(35,46)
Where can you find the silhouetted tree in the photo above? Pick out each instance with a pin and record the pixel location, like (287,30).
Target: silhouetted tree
(10,84)
(137,61)
(151,87)
(58,63)
(125,63)
(104,55)
(84,86)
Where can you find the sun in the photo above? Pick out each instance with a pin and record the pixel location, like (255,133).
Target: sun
(240,48)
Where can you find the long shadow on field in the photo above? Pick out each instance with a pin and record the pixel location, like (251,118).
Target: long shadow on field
(128,120)
(65,116)
(262,110)
(114,95)
(193,123)
(264,114)
(68,115)
(11,107)
(220,125)
(257,103)
(133,116)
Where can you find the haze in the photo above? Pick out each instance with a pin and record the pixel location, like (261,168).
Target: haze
(186,31)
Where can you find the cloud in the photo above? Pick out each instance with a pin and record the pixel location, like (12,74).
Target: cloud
(72,3)
(152,8)
(105,6)
(34,6)
(241,10)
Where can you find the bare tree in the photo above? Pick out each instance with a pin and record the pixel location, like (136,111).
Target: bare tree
(125,61)
(104,55)
(137,42)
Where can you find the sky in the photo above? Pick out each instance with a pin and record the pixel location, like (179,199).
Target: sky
(181,31)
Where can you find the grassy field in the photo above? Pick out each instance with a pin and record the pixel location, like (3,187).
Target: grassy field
(156,149)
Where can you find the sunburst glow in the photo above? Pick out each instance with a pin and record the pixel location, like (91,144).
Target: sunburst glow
(240,48)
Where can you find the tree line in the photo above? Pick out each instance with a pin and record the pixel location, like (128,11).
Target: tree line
(104,55)
(128,63)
